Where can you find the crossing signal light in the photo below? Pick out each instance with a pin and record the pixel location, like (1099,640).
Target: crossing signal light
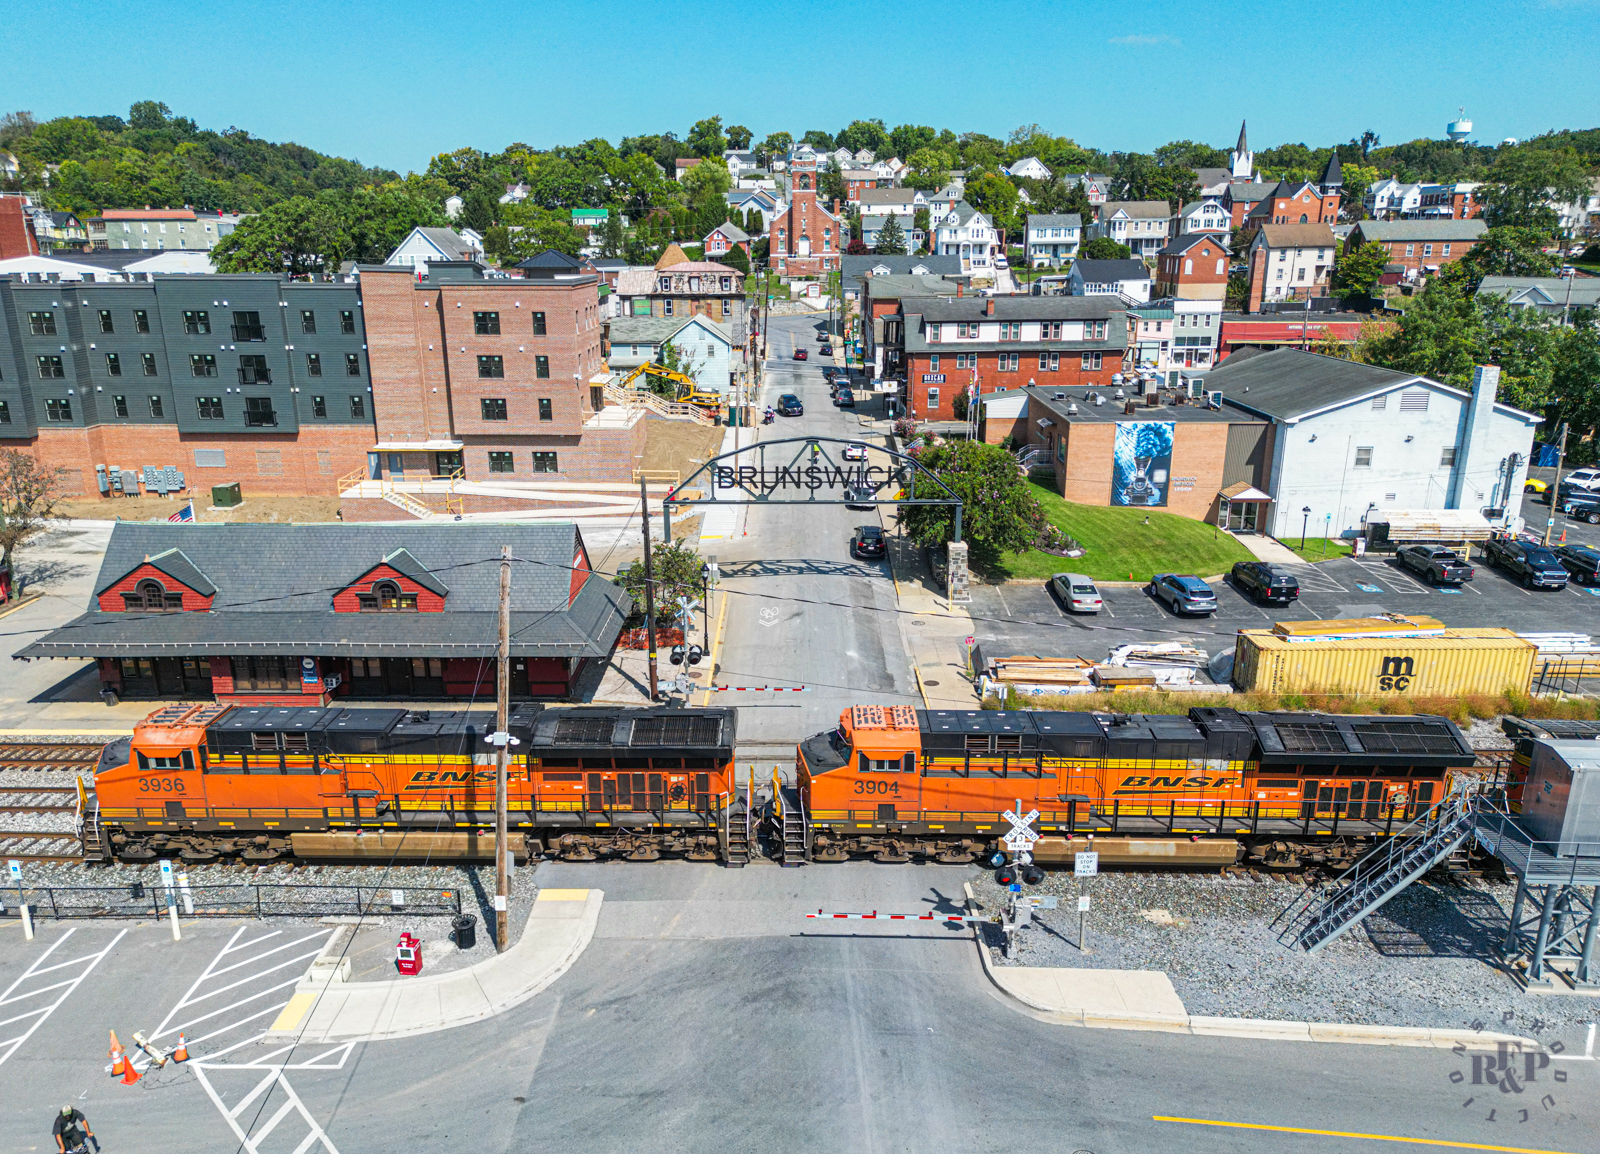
(695,654)
(677,655)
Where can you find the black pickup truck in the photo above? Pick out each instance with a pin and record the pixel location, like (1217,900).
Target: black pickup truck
(1435,564)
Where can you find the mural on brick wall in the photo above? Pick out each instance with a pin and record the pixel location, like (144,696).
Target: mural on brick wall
(1141,463)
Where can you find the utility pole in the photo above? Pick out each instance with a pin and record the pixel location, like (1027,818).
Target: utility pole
(649,588)
(1555,486)
(502,742)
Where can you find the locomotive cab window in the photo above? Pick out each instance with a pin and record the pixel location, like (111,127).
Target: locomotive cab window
(905,764)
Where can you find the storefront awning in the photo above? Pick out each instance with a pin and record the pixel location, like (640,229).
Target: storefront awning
(418,446)
(1243,491)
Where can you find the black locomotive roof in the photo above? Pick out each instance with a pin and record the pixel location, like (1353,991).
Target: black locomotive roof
(366,729)
(1520,728)
(666,731)
(1334,739)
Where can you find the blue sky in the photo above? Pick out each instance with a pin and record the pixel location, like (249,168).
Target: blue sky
(393,84)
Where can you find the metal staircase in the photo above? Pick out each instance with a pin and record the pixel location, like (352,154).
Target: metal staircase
(738,829)
(89,833)
(796,829)
(1322,916)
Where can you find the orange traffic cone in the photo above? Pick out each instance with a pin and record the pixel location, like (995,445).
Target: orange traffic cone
(181,1054)
(119,1060)
(129,1074)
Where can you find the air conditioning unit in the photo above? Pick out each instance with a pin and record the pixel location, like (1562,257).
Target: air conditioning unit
(1058,396)
(1213,399)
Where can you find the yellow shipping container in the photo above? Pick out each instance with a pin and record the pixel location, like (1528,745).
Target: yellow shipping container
(1393,624)
(1460,661)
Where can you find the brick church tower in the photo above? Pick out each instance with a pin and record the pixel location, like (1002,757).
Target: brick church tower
(806,238)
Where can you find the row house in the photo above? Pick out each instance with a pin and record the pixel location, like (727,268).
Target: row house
(1455,201)
(1053,239)
(1142,225)
(985,344)
(677,287)
(965,232)
(1290,262)
(159,228)
(1391,199)
(1420,246)
(1168,336)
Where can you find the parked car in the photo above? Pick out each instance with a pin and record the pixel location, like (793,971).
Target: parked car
(822,336)
(867,542)
(1580,509)
(1183,593)
(789,405)
(1077,593)
(1587,479)
(855,451)
(1530,562)
(1435,564)
(1265,582)
(1001,262)
(1582,561)
(1534,485)
(845,399)
(801,355)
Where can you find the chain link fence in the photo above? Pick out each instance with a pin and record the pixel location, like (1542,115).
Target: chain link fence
(139,900)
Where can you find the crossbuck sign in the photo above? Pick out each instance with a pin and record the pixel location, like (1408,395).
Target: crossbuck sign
(1021,837)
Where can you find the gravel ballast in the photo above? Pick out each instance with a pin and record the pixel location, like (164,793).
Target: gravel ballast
(1427,958)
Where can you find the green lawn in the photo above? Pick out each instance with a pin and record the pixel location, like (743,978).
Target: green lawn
(1119,542)
(1317,549)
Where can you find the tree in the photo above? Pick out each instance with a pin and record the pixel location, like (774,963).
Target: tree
(29,493)
(857,247)
(296,237)
(1526,181)
(754,223)
(1358,178)
(999,512)
(908,138)
(15,127)
(1508,251)
(677,571)
(996,196)
(612,238)
(1077,200)
(922,221)
(929,168)
(830,185)
(863,134)
(776,144)
(735,258)
(706,138)
(1356,272)
(1237,297)
(480,209)
(148,115)
(1104,248)
(819,140)
(960,405)
(706,182)
(739,137)
(891,238)
(1190,154)
(675,359)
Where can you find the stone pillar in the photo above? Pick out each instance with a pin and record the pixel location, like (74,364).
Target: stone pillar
(958,578)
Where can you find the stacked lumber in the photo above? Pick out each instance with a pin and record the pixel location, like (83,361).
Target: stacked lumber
(1165,653)
(1063,671)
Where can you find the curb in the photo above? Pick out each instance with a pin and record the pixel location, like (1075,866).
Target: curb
(1262,1029)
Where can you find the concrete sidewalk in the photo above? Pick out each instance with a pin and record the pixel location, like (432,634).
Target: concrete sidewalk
(326,1008)
(932,629)
(1269,549)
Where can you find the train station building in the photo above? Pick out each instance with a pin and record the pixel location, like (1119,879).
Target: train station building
(268,614)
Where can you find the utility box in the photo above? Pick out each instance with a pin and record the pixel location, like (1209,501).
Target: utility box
(226,496)
(1561,799)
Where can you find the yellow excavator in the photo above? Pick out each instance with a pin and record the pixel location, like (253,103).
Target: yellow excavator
(689,390)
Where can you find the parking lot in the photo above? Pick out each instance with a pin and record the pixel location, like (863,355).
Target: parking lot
(1028,618)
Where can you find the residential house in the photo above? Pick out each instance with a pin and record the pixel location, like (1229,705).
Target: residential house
(684,164)
(865,157)
(58,229)
(1554,296)
(903,202)
(985,344)
(1142,225)
(590,219)
(740,161)
(519,192)
(859,180)
(1581,218)
(1349,440)
(425,246)
(1290,262)
(963,231)
(1096,185)
(1174,340)
(883,295)
(1454,201)
(843,157)
(453,204)
(1240,199)
(872,231)
(1421,246)
(158,228)
(1029,168)
(1390,199)
(1213,182)
(1052,238)
(676,287)
(943,200)
(763,201)
(1129,279)
(1193,267)
(702,344)
(1204,216)
(805,239)
(724,239)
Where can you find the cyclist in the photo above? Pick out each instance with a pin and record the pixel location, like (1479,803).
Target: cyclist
(70,1130)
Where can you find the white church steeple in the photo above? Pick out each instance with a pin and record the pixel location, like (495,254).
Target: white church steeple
(1241,162)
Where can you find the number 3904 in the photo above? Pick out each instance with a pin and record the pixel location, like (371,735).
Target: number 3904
(161,785)
(891,788)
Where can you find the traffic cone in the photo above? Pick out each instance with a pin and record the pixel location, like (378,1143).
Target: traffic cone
(119,1060)
(129,1074)
(181,1054)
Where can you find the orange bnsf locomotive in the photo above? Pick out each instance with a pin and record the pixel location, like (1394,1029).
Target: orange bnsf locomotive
(212,782)
(896,783)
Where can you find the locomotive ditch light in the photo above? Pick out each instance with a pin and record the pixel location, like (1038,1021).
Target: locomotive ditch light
(676,656)
(695,654)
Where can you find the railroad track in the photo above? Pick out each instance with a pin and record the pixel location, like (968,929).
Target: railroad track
(48,755)
(38,799)
(40,846)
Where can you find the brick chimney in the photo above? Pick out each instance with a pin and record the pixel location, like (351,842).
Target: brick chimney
(958,288)
(988,307)
(1258,279)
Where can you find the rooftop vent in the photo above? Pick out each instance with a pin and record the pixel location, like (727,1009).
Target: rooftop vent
(1072,409)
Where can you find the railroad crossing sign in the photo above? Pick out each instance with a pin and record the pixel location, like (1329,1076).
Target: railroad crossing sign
(1086,865)
(1021,837)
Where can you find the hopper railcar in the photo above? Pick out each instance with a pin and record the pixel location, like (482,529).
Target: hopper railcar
(219,782)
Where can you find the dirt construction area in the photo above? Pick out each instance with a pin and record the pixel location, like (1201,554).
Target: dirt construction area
(299,509)
(680,445)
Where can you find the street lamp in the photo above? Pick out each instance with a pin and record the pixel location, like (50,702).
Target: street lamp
(1304,522)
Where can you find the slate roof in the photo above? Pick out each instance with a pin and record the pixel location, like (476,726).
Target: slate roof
(1054,220)
(730,230)
(856,267)
(275,585)
(871,196)
(885,287)
(1107,271)
(1546,291)
(1297,235)
(1414,230)
(1248,192)
(1184,242)
(1136,209)
(449,242)
(175,565)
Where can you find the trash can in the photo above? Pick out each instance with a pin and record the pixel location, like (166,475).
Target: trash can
(465,927)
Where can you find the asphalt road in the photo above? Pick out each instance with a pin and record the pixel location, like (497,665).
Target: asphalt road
(709,1014)
(775,632)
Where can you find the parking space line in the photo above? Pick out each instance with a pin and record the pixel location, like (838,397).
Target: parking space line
(9,1046)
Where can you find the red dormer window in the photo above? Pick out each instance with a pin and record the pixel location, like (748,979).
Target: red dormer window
(150,597)
(386,597)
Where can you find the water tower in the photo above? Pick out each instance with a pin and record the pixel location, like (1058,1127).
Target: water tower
(1460,128)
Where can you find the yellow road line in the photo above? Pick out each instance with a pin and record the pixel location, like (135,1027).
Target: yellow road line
(23,604)
(716,646)
(1353,1134)
(918,673)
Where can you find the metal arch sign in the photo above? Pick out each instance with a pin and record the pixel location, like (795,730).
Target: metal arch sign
(804,471)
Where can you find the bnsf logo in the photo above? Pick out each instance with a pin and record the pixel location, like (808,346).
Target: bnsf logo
(1397,674)
(443,779)
(1174,782)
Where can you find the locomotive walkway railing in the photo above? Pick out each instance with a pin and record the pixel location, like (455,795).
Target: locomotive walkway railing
(248,900)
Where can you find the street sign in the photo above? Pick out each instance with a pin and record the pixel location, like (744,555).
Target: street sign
(16,869)
(1021,838)
(166,874)
(1083,904)
(1086,865)
(969,642)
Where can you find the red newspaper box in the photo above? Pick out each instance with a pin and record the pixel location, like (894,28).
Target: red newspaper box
(408,955)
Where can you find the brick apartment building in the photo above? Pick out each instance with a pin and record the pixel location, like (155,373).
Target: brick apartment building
(805,239)
(495,377)
(1421,246)
(1008,341)
(1193,267)
(220,378)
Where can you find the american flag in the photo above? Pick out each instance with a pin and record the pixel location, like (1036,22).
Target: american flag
(184,514)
